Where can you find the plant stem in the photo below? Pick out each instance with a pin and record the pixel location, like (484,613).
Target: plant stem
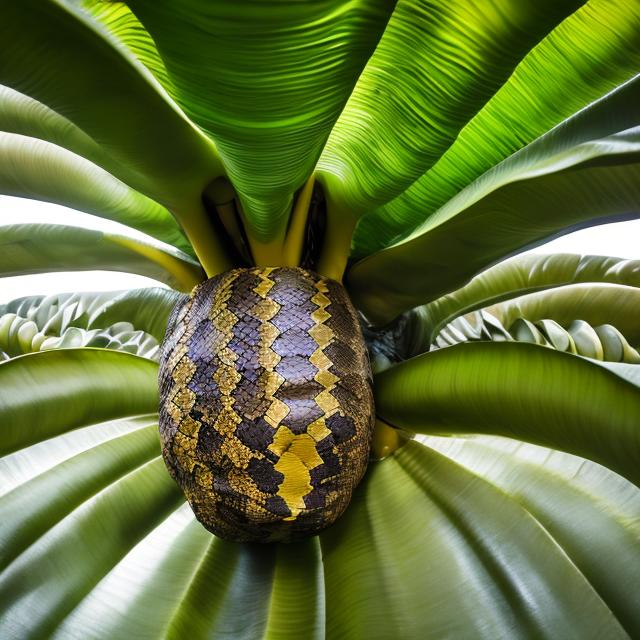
(267,254)
(203,237)
(337,243)
(386,439)
(294,242)
(285,250)
(186,275)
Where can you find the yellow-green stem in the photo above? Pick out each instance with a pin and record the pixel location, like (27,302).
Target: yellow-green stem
(202,236)
(267,254)
(186,275)
(337,243)
(386,439)
(294,242)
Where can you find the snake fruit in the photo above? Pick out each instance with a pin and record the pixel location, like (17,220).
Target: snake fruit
(266,404)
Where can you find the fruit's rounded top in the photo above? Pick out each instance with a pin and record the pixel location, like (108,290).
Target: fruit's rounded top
(266,409)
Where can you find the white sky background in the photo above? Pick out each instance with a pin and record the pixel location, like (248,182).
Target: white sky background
(621,239)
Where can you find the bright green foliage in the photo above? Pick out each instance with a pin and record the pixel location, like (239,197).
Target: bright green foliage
(498,390)
(43,171)
(589,54)
(582,172)
(267,87)
(401,118)
(454,135)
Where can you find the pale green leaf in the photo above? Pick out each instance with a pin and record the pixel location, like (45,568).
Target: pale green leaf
(598,304)
(549,188)
(19,336)
(602,342)
(61,310)
(430,546)
(40,248)
(27,117)
(81,548)
(146,310)
(523,391)
(569,496)
(121,542)
(57,492)
(48,393)
(527,274)
(102,89)
(39,170)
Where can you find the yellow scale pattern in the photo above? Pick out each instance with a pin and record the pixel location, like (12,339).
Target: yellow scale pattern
(298,454)
(201,413)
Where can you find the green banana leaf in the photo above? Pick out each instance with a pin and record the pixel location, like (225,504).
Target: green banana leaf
(40,170)
(61,310)
(602,342)
(425,80)
(109,95)
(545,190)
(567,495)
(103,385)
(40,248)
(589,54)
(19,336)
(630,372)
(596,304)
(524,391)
(147,310)
(114,544)
(437,123)
(123,25)
(27,117)
(266,82)
(527,274)
(131,321)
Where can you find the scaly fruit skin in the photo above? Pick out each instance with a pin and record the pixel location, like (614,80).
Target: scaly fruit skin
(266,404)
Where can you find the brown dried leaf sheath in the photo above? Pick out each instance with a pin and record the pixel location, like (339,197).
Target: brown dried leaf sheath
(266,409)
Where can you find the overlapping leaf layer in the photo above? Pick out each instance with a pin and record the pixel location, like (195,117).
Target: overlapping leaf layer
(452,135)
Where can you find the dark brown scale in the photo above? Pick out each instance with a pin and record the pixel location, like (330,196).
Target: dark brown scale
(266,406)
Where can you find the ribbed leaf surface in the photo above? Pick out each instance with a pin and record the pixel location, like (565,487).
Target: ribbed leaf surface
(39,170)
(601,342)
(36,389)
(549,188)
(597,304)
(40,248)
(123,25)
(267,81)
(568,496)
(456,536)
(25,116)
(105,92)
(527,274)
(592,52)
(95,535)
(19,336)
(523,391)
(145,309)
(436,65)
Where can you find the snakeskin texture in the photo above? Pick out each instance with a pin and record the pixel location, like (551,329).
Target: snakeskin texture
(266,405)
